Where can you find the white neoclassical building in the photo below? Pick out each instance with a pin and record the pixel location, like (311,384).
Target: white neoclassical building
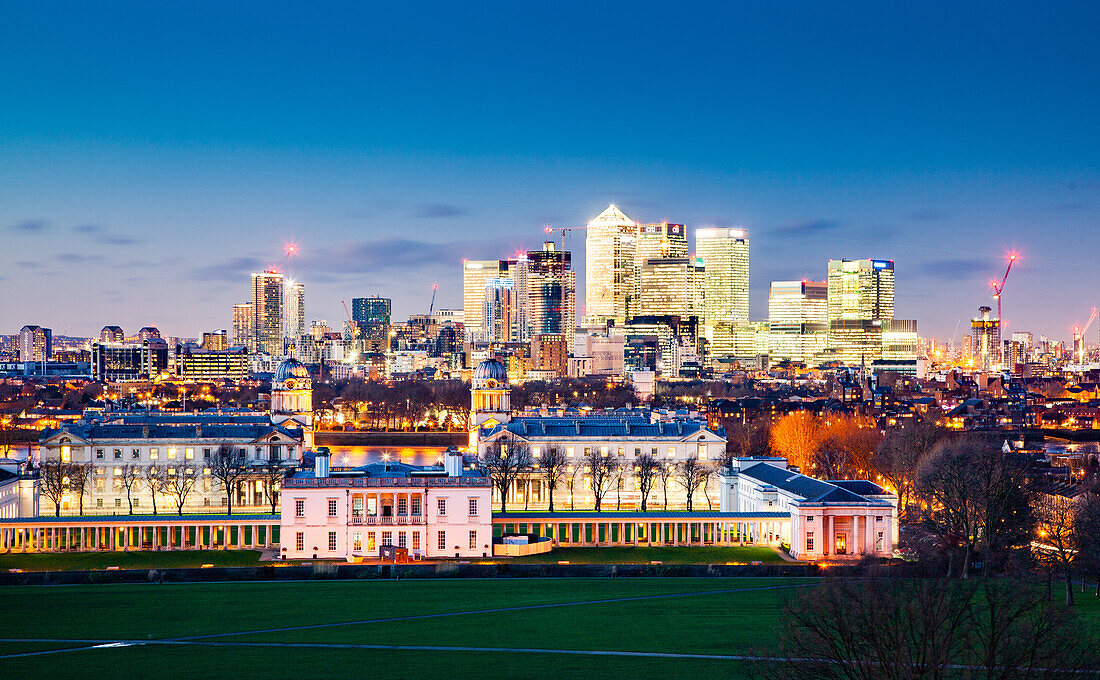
(348,513)
(828,519)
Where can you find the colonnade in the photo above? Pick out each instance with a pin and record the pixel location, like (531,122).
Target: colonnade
(152,532)
(640,529)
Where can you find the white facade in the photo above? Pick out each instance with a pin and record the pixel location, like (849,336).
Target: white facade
(353,513)
(18,491)
(835,519)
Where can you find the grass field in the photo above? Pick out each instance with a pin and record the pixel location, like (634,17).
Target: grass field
(667,555)
(457,628)
(129,560)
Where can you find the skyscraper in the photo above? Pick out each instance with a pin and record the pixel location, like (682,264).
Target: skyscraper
(112,334)
(861,299)
(500,310)
(295,322)
(661,239)
(610,269)
(372,316)
(475,276)
(725,256)
(671,286)
(987,339)
(798,320)
(35,343)
(242,325)
(267,312)
(552,293)
(517,270)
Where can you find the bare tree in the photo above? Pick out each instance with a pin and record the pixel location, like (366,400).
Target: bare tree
(228,466)
(899,456)
(665,472)
(708,474)
(909,629)
(1087,525)
(601,471)
(690,474)
(7,434)
(272,474)
(53,482)
(552,467)
(573,470)
(130,478)
(645,471)
(156,480)
(80,476)
(505,462)
(179,482)
(1056,536)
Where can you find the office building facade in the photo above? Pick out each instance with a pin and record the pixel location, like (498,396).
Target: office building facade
(610,269)
(372,316)
(295,322)
(861,299)
(35,343)
(798,321)
(267,312)
(725,256)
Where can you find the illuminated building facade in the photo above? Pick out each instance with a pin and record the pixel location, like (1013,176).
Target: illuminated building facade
(115,361)
(35,343)
(151,333)
(267,312)
(861,299)
(210,364)
(242,324)
(610,270)
(661,239)
(987,339)
(217,340)
(476,275)
(900,341)
(112,334)
(550,352)
(295,311)
(551,293)
(372,315)
(671,286)
(798,321)
(500,310)
(725,256)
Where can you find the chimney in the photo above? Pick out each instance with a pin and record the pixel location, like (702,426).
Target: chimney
(320,462)
(452,462)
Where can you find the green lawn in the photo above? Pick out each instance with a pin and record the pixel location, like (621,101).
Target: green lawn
(666,555)
(559,614)
(128,560)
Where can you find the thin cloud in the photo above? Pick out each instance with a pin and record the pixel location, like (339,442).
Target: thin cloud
(396,254)
(112,240)
(956,268)
(806,228)
(28,265)
(89,228)
(78,258)
(234,269)
(30,226)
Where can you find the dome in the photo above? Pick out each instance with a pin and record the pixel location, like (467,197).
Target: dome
(490,369)
(291,368)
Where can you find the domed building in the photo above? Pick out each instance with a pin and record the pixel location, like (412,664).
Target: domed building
(292,396)
(490,400)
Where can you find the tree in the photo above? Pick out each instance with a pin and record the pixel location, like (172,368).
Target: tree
(899,455)
(573,470)
(272,474)
(552,467)
(645,471)
(977,502)
(845,447)
(131,481)
(1057,538)
(7,434)
(709,473)
(229,466)
(505,462)
(665,472)
(690,474)
(911,629)
(156,480)
(797,437)
(80,475)
(601,471)
(179,482)
(1087,525)
(53,482)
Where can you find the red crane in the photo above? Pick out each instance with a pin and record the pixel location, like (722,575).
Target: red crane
(999,286)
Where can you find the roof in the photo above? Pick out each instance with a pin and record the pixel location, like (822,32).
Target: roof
(202,431)
(611,217)
(807,488)
(602,428)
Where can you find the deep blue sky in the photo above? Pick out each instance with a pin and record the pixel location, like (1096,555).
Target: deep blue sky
(153,154)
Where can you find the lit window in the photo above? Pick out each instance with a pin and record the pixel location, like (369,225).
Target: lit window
(473,507)
(332,541)
(189,454)
(300,541)
(171,454)
(569,452)
(154,454)
(672,452)
(441,506)
(416,540)
(536,452)
(370,541)
(441,540)
(401,540)
(702,452)
(473,540)
(357,541)
(809,541)
(65,454)
(299,507)
(118,454)
(603,451)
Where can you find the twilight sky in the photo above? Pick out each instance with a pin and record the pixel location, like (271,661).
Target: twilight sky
(153,154)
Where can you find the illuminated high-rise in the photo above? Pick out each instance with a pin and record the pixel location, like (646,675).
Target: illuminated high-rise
(661,239)
(267,312)
(986,330)
(671,286)
(500,310)
(551,293)
(371,316)
(861,299)
(35,343)
(295,310)
(517,271)
(242,325)
(610,269)
(798,320)
(725,256)
(476,275)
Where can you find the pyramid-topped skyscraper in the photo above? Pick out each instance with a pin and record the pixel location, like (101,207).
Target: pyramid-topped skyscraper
(609,268)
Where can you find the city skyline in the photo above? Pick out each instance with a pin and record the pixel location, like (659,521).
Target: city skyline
(158,207)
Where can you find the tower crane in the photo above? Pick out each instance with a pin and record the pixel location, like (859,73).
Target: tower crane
(354,327)
(999,286)
(431,307)
(550,230)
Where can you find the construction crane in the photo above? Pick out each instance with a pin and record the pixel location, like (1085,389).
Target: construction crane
(354,327)
(1079,337)
(550,230)
(999,286)
(431,307)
